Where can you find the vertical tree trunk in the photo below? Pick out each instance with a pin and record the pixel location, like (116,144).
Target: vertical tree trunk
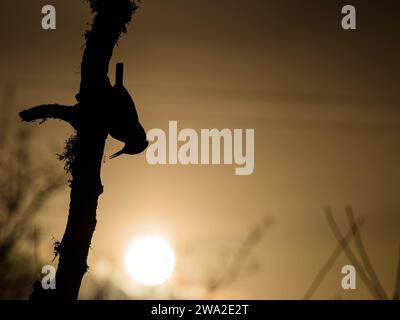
(86,188)
(111,18)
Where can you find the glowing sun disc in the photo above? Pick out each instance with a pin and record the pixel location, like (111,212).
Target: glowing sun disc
(150,260)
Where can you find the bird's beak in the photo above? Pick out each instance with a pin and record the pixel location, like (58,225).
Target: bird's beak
(116,154)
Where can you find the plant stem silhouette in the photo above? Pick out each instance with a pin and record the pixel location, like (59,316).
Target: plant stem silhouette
(84,152)
(365,257)
(396,294)
(350,255)
(238,261)
(364,268)
(354,229)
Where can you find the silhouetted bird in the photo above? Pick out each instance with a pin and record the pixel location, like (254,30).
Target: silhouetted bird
(123,120)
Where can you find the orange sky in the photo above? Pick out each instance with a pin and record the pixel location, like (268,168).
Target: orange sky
(323,102)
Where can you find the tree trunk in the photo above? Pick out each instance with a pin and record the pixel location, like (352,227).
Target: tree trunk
(86,154)
(86,188)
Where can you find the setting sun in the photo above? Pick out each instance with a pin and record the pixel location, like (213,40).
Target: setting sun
(150,260)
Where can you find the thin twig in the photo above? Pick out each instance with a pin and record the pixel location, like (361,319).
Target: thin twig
(331,261)
(349,253)
(396,295)
(364,256)
(234,268)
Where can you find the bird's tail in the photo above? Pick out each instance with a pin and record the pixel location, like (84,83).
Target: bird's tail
(116,154)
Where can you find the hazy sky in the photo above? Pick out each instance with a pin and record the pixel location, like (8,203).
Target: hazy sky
(323,102)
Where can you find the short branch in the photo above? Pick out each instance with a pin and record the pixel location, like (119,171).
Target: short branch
(46,111)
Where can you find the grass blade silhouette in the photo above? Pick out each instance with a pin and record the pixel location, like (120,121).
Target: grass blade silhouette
(331,261)
(396,295)
(364,256)
(350,255)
